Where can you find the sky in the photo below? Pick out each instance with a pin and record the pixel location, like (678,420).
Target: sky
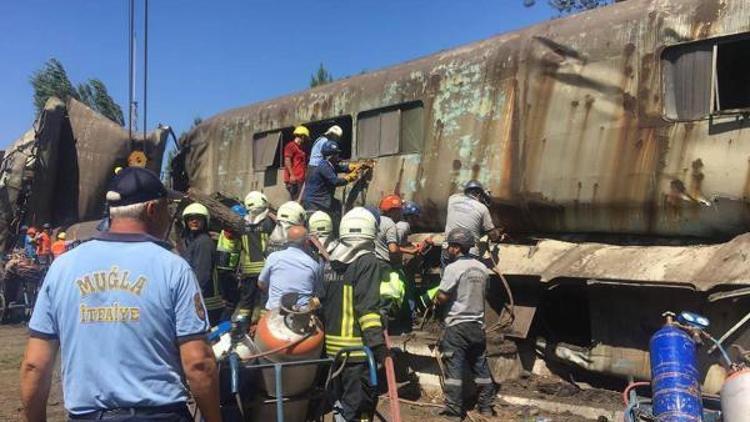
(207,56)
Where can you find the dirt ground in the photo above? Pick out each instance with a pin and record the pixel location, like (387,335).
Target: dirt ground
(13,341)
(12,344)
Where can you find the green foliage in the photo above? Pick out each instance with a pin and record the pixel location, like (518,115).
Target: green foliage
(570,6)
(321,77)
(52,81)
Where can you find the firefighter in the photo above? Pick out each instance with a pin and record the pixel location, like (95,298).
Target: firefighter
(463,343)
(228,249)
(199,253)
(253,241)
(352,312)
(289,214)
(321,228)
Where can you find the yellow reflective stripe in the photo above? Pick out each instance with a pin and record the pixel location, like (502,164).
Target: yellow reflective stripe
(331,352)
(344,341)
(347,312)
(213,303)
(369,321)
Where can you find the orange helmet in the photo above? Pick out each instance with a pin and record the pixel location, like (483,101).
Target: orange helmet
(390,202)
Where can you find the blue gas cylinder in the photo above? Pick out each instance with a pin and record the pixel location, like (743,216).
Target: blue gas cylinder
(674,376)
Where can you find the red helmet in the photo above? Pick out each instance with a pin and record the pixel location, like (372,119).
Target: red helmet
(31,231)
(390,202)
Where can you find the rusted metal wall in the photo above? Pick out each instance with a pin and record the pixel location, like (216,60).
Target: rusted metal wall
(563,121)
(77,151)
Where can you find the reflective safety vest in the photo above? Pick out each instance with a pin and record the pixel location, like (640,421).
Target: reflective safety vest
(253,247)
(227,252)
(212,299)
(393,290)
(352,305)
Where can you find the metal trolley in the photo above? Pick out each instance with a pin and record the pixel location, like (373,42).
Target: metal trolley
(234,406)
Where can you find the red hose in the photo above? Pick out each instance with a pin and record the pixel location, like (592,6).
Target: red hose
(631,386)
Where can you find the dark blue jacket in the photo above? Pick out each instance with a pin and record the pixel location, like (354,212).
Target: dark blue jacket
(321,186)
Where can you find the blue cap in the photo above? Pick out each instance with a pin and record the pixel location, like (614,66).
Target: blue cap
(330,148)
(134,185)
(239,210)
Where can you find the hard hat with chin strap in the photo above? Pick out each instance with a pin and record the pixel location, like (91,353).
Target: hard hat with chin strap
(320,223)
(196,209)
(358,223)
(256,199)
(291,212)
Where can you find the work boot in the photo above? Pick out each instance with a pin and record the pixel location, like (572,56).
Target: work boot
(487,411)
(449,414)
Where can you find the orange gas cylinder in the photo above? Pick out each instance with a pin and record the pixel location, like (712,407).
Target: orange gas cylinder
(290,337)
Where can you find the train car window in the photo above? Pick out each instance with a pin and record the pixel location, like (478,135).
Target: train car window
(266,151)
(707,77)
(390,131)
(732,76)
(687,81)
(318,128)
(412,126)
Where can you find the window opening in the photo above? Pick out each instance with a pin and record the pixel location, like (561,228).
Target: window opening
(390,131)
(318,128)
(707,77)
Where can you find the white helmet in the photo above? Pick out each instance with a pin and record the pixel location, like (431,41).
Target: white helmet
(359,222)
(320,223)
(256,200)
(335,130)
(291,212)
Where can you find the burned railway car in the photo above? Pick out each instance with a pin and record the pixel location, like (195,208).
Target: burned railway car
(624,125)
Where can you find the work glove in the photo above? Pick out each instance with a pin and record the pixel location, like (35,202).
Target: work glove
(351,177)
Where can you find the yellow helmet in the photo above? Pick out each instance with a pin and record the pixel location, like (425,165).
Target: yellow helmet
(61,235)
(196,209)
(301,131)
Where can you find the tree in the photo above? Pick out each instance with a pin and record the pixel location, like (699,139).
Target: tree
(569,6)
(52,80)
(321,77)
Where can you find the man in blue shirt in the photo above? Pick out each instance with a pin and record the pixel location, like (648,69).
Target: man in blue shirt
(291,270)
(323,181)
(128,318)
(333,134)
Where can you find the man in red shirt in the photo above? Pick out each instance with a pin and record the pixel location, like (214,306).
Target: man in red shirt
(295,162)
(44,246)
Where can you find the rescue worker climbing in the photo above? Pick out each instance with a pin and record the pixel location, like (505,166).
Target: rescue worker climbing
(289,214)
(333,134)
(199,253)
(253,241)
(468,210)
(323,180)
(352,312)
(295,162)
(463,343)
